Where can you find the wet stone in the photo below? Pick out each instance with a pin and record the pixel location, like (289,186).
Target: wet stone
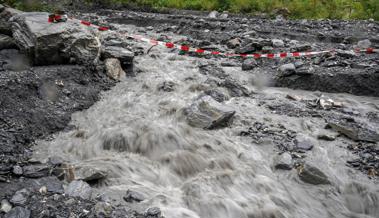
(153,212)
(18,212)
(312,175)
(283,161)
(217,94)
(167,86)
(89,174)
(133,196)
(208,114)
(303,144)
(287,69)
(326,137)
(249,64)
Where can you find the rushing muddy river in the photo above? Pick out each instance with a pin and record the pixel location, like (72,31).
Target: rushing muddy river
(137,134)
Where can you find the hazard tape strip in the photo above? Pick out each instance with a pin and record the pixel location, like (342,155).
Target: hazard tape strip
(186,48)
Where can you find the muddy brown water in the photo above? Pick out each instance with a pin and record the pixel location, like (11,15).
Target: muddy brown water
(137,134)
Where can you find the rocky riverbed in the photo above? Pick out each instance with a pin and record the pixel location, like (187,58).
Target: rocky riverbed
(97,125)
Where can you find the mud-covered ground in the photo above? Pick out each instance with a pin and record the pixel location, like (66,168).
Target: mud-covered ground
(37,102)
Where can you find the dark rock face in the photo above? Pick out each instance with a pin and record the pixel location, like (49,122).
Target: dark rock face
(54,43)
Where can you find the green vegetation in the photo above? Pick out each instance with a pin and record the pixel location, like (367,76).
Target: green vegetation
(313,9)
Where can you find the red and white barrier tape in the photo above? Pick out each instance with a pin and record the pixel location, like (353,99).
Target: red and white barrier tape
(186,48)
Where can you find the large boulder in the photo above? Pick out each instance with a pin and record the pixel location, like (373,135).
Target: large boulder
(54,43)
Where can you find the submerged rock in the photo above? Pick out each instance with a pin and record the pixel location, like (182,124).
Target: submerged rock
(312,175)
(80,189)
(54,43)
(217,94)
(208,114)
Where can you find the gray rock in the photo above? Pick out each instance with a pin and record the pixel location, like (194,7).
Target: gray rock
(17,170)
(35,171)
(364,44)
(89,173)
(6,42)
(208,114)
(113,69)
(124,55)
(287,68)
(326,137)
(213,14)
(54,43)
(283,161)
(301,47)
(217,94)
(303,143)
(132,196)
(235,88)
(5,14)
(55,160)
(20,197)
(277,43)
(312,175)
(5,206)
(249,64)
(18,212)
(346,54)
(224,15)
(153,212)
(355,131)
(234,43)
(52,184)
(80,189)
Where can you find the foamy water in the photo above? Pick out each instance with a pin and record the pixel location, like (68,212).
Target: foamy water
(138,135)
